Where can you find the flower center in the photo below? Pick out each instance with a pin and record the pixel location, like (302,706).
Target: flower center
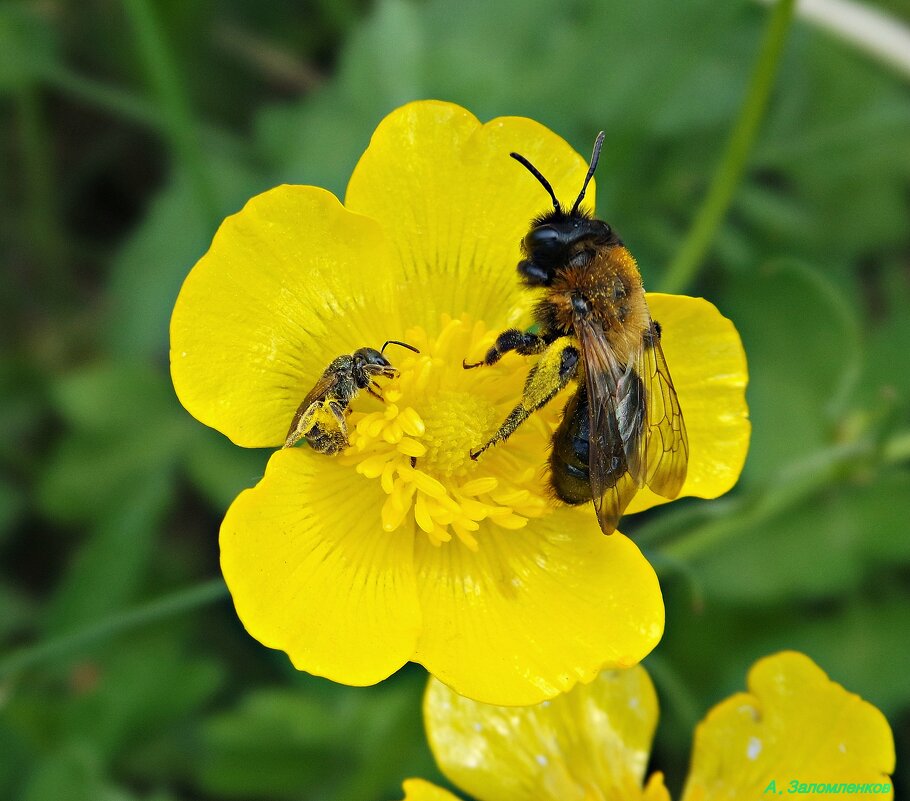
(435,413)
(456,422)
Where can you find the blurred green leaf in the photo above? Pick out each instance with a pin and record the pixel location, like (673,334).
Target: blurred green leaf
(15,758)
(830,147)
(11,507)
(277,743)
(148,271)
(858,644)
(108,569)
(127,429)
(17,612)
(220,470)
(111,395)
(27,45)
(285,743)
(801,342)
(856,640)
(824,547)
(887,355)
(23,405)
(73,774)
(141,687)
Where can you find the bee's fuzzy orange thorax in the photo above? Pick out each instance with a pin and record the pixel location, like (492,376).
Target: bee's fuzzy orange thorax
(611,284)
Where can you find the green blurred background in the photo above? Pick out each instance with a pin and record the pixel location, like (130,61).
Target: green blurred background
(132,127)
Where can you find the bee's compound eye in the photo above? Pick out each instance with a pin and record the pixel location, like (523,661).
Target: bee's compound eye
(371,356)
(543,237)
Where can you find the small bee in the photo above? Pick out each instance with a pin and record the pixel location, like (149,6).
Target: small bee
(623,428)
(321,416)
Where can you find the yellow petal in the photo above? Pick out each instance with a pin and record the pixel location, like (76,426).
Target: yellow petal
(420,790)
(656,790)
(708,366)
(534,611)
(456,207)
(312,573)
(290,282)
(592,743)
(795,724)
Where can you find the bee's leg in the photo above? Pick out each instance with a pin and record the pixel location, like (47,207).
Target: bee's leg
(386,371)
(557,366)
(302,423)
(325,421)
(333,428)
(338,412)
(524,342)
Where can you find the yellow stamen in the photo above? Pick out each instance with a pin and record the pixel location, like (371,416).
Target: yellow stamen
(435,413)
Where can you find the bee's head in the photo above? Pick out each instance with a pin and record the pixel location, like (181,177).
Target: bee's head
(369,362)
(555,236)
(558,240)
(364,357)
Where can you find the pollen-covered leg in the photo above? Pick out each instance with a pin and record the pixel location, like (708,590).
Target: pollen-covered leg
(323,425)
(524,342)
(557,366)
(303,422)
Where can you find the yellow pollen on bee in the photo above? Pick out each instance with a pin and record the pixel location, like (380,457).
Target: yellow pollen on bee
(434,414)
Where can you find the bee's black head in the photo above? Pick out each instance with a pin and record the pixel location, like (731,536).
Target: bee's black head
(364,357)
(367,360)
(551,242)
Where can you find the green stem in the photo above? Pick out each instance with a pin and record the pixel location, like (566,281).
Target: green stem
(128,106)
(794,485)
(727,519)
(153,612)
(684,267)
(178,119)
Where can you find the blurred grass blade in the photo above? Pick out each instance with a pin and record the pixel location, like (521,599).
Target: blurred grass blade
(108,98)
(694,248)
(872,30)
(153,612)
(166,83)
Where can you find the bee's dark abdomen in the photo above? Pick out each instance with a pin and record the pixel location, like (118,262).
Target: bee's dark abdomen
(327,442)
(569,457)
(569,471)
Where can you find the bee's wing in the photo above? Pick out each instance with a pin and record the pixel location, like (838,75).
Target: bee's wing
(615,416)
(319,392)
(663,451)
(322,388)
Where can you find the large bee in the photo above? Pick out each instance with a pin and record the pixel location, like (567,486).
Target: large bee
(623,428)
(320,418)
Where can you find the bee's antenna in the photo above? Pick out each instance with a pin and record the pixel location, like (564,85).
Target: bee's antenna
(595,157)
(536,173)
(396,342)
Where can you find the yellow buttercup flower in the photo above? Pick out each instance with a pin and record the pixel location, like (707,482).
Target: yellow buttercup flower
(794,731)
(401,547)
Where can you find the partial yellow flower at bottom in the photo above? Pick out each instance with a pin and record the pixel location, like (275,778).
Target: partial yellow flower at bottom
(402,547)
(794,731)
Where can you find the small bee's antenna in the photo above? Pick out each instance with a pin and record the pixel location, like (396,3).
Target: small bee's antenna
(595,157)
(536,173)
(396,342)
